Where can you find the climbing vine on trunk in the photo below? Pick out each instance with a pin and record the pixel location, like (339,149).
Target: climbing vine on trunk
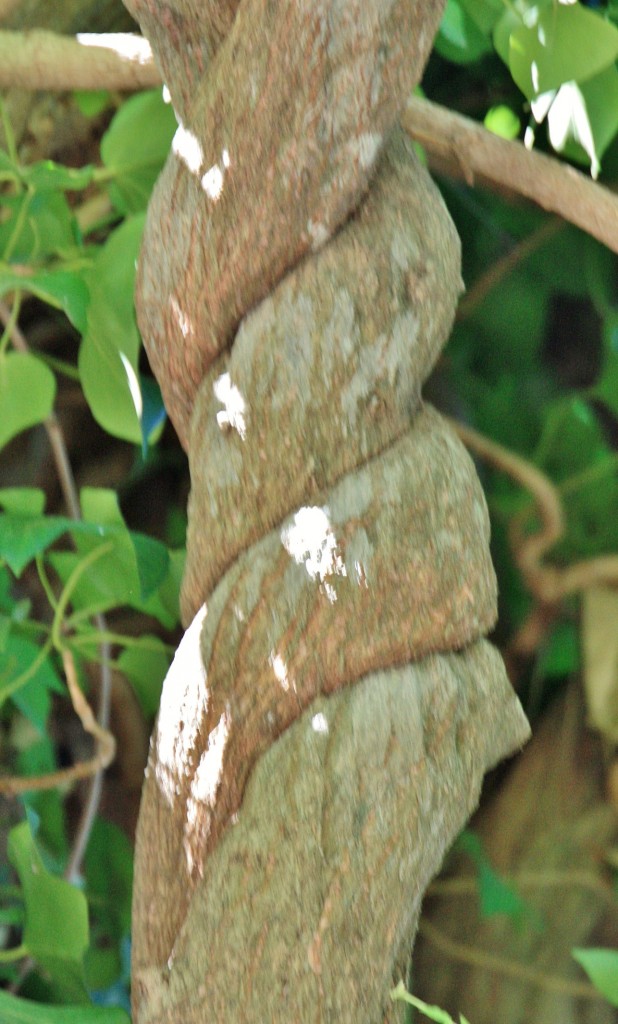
(333,705)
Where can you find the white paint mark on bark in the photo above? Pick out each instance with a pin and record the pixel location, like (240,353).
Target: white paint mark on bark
(187,147)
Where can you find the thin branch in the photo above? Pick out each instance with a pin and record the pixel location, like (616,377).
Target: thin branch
(496,272)
(467,886)
(467,147)
(71,498)
(39,59)
(479,958)
(548,583)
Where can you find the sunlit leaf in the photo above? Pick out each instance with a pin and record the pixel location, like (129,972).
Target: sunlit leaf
(135,146)
(108,357)
(47,175)
(601,966)
(460,39)
(49,900)
(27,392)
(563,43)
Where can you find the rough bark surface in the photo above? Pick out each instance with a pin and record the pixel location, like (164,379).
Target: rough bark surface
(332,707)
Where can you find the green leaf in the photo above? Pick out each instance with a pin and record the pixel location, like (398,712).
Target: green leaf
(27,392)
(92,102)
(24,1011)
(135,147)
(22,501)
(22,538)
(47,175)
(33,698)
(108,357)
(48,227)
(601,966)
(63,289)
(48,901)
(460,39)
(152,562)
(502,121)
(558,44)
(145,665)
(47,804)
(496,895)
(108,867)
(100,507)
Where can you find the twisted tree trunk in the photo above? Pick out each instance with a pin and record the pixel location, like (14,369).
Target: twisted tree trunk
(332,708)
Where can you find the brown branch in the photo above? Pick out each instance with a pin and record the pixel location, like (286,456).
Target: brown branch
(45,60)
(476,152)
(479,958)
(548,583)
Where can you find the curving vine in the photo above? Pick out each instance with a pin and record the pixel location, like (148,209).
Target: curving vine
(333,706)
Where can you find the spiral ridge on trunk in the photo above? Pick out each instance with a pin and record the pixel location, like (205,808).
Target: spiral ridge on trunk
(298,279)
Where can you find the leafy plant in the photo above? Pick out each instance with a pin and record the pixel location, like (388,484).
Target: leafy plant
(88,563)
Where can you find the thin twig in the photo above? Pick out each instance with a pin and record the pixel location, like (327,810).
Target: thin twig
(466,147)
(69,490)
(548,583)
(496,272)
(104,741)
(485,961)
(459,886)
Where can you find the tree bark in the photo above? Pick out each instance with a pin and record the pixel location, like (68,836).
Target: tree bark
(332,707)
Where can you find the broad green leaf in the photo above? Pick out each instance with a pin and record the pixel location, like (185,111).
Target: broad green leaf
(24,1011)
(48,901)
(460,39)
(22,501)
(66,290)
(27,392)
(563,43)
(24,537)
(108,357)
(48,227)
(33,698)
(108,868)
(135,146)
(46,804)
(100,506)
(496,895)
(145,665)
(152,562)
(601,966)
(46,175)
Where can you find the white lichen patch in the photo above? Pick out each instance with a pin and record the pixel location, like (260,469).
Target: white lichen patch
(187,147)
(310,540)
(232,416)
